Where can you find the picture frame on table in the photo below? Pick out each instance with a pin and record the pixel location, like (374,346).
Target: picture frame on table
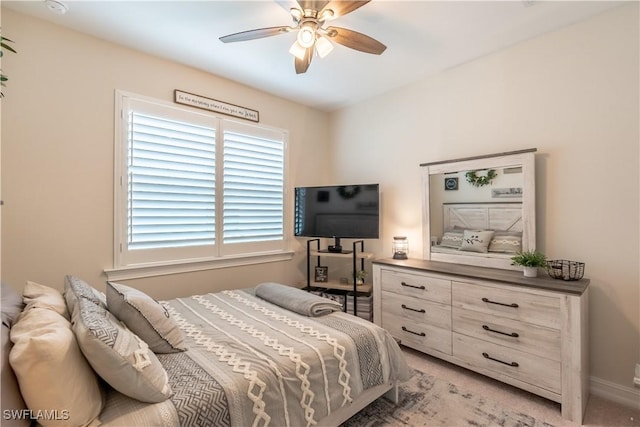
(321,274)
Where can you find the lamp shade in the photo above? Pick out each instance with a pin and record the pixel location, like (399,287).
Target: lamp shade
(323,46)
(306,35)
(297,50)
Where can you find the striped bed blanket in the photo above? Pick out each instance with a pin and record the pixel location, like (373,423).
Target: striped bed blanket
(254,363)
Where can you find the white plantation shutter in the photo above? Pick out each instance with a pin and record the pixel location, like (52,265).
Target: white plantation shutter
(195,188)
(171,191)
(253,202)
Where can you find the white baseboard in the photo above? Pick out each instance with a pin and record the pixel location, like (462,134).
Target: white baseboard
(627,396)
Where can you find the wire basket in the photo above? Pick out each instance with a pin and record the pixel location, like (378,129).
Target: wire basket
(565,270)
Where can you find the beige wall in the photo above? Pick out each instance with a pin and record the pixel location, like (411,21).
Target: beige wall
(58,145)
(573,94)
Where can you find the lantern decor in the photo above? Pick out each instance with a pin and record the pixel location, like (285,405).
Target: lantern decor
(400,247)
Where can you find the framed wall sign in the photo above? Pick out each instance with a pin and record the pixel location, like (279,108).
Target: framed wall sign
(186,98)
(322,273)
(451,183)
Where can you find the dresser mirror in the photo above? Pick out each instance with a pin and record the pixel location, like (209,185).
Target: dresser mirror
(479,210)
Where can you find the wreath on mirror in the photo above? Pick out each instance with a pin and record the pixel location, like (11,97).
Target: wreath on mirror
(482,180)
(348,192)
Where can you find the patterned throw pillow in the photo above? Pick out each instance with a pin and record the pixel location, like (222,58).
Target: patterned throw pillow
(452,239)
(75,288)
(115,353)
(506,242)
(145,317)
(476,240)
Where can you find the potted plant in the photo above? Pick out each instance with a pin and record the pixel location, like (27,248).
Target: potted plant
(360,276)
(530,260)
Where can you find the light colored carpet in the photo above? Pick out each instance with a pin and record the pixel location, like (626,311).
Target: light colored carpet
(429,401)
(498,404)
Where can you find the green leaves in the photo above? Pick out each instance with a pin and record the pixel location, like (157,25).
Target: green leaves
(530,259)
(479,181)
(4,45)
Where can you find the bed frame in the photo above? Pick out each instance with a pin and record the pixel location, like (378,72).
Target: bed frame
(389,391)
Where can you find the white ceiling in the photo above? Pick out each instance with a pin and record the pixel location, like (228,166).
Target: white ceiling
(422,38)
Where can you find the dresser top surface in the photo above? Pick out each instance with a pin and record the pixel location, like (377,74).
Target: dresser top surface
(574,287)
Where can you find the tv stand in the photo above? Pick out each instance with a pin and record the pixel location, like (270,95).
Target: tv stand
(336,248)
(346,290)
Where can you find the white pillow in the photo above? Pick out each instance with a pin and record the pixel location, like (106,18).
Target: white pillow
(146,318)
(52,372)
(41,296)
(476,240)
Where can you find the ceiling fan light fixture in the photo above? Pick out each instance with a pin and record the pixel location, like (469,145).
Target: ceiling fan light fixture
(296,14)
(307,35)
(297,50)
(326,15)
(323,46)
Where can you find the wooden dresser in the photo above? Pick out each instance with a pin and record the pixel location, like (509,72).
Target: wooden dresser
(531,333)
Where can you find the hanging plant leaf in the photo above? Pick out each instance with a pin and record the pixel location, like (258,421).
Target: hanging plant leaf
(5,46)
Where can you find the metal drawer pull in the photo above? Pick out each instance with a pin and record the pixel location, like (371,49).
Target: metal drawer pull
(412,286)
(514,364)
(487,300)
(422,334)
(422,310)
(512,334)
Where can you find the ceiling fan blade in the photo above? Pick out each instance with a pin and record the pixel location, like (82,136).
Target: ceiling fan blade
(342,7)
(355,40)
(302,65)
(313,4)
(254,34)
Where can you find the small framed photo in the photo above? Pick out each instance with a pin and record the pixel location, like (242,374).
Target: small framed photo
(451,183)
(322,273)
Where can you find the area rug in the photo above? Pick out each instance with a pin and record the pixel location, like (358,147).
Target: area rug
(429,401)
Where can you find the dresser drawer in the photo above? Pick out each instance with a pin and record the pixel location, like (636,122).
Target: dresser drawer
(526,337)
(419,336)
(535,308)
(417,286)
(529,368)
(414,310)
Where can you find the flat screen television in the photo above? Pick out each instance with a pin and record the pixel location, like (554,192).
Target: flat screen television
(338,211)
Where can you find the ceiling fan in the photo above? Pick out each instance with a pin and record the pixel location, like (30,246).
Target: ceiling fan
(309,18)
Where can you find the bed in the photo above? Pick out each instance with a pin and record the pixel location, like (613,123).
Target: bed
(266,356)
(480,229)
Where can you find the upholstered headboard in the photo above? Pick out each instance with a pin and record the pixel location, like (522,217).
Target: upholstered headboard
(483,216)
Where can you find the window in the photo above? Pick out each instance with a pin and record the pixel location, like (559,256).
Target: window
(195,188)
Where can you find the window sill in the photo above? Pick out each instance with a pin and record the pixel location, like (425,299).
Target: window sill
(152,270)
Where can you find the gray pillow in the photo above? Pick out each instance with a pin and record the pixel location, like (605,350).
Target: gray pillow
(119,356)
(12,304)
(506,242)
(74,288)
(476,240)
(452,239)
(146,317)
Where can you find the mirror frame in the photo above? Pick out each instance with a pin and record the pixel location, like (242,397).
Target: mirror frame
(525,159)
